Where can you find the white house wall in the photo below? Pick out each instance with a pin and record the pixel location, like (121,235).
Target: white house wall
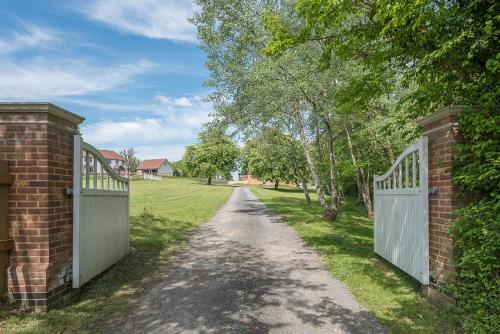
(165,169)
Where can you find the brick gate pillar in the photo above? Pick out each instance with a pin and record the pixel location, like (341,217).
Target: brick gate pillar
(37,141)
(442,130)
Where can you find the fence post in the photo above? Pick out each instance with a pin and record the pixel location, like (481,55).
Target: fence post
(424,193)
(77,184)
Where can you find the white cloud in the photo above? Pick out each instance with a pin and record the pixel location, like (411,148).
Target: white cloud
(164,19)
(28,36)
(181,102)
(174,123)
(171,152)
(44,79)
(138,130)
(193,110)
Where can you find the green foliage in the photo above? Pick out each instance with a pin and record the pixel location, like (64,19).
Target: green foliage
(476,231)
(369,68)
(273,156)
(452,47)
(131,160)
(446,52)
(476,241)
(478,168)
(302,89)
(180,168)
(214,154)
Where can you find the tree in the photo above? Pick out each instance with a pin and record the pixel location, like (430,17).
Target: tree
(131,160)
(269,156)
(214,154)
(252,89)
(446,52)
(179,168)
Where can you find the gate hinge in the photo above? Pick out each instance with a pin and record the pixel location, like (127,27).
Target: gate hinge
(6,179)
(6,245)
(433,191)
(68,191)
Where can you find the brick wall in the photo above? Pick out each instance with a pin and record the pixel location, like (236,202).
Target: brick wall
(249,180)
(37,142)
(442,130)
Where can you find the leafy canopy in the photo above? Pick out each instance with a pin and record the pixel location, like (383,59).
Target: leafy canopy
(214,154)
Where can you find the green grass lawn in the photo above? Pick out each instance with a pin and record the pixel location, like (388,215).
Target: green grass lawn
(163,214)
(347,249)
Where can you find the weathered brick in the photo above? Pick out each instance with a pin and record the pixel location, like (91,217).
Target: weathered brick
(442,144)
(40,157)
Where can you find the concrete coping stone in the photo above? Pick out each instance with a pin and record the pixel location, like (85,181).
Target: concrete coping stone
(440,114)
(40,107)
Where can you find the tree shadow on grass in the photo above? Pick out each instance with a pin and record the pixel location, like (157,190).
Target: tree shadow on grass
(293,208)
(347,246)
(224,286)
(285,190)
(102,302)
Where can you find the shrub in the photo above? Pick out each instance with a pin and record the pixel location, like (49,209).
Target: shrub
(476,230)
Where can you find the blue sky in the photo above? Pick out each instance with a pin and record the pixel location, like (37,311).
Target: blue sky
(132,68)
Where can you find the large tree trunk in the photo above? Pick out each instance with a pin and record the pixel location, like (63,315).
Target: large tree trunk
(367,198)
(276,184)
(327,213)
(366,186)
(318,143)
(359,198)
(306,191)
(355,164)
(209,182)
(366,193)
(303,182)
(361,181)
(333,170)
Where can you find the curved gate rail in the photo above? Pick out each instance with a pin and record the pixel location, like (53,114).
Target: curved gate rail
(100,213)
(401,232)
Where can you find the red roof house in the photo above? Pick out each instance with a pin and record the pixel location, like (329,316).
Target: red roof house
(115,161)
(159,167)
(111,155)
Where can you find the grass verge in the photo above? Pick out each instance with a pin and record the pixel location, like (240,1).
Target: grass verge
(162,215)
(347,249)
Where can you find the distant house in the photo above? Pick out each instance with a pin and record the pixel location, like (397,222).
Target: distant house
(115,161)
(160,167)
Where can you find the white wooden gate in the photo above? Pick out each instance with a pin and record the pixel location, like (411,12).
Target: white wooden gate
(401,212)
(100,214)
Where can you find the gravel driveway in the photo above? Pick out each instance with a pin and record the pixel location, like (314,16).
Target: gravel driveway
(247,272)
